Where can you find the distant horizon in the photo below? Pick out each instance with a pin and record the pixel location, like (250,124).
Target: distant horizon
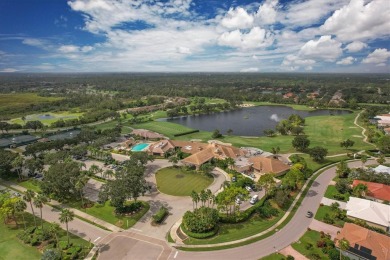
(191,36)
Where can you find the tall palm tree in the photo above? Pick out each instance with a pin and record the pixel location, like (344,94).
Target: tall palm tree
(343,245)
(66,216)
(209,197)
(109,174)
(94,169)
(38,202)
(20,207)
(29,196)
(203,197)
(18,163)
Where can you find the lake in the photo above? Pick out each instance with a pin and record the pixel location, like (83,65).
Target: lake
(250,121)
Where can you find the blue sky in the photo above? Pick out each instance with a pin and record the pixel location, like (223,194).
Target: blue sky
(194,35)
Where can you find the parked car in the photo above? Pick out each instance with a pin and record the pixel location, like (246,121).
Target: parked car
(309,214)
(254,199)
(248,188)
(234,179)
(238,201)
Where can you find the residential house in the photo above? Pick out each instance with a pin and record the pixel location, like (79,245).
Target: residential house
(376,191)
(161,147)
(364,243)
(373,213)
(383,120)
(146,134)
(262,165)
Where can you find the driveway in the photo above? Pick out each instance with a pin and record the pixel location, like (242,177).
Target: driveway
(326,228)
(328,202)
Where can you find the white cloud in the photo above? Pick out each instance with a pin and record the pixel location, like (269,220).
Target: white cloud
(74,49)
(357,21)
(183,50)
(346,61)
(9,70)
(255,38)
(35,42)
(267,12)
(307,13)
(237,19)
(324,48)
(356,46)
(379,57)
(250,70)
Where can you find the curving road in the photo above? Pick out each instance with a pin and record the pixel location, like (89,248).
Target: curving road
(288,235)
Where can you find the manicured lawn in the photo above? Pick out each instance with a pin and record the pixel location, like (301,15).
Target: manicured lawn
(296,107)
(331,191)
(310,237)
(231,232)
(106,212)
(30,184)
(323,210)
(56,116)
(165,128)
(177,182)
(13,248)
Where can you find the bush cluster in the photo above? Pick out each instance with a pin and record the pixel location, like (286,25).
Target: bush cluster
(160,215)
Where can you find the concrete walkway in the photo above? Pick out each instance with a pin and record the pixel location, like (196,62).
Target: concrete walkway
(326,228)
(328,202)
(291,251)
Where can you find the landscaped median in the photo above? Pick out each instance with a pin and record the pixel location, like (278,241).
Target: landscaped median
(259,234)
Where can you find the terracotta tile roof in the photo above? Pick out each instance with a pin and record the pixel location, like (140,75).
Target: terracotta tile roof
(147,134)
(200,158)
(375,190)
(189,147)
(358,236)
(268,165)
(161,146)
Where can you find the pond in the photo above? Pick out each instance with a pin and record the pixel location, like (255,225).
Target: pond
(250,121)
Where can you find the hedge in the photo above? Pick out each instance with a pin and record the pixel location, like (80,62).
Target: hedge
(199,235)
(186,133)
(160,215)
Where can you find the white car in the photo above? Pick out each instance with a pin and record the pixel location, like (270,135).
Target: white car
(248,188)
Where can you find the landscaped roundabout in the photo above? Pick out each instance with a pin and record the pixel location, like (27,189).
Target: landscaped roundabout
(176,181)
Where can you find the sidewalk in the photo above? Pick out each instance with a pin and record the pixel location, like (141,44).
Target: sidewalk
(291,251)
(77,212)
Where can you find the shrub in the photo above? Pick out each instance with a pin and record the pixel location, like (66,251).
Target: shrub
(200,235)
(333,254)
(73,252)
(160,215)
(51,254)
(186,133)
(315,256)
(321,243)
(64,245)
(201,220)
(309,246)
(35,241)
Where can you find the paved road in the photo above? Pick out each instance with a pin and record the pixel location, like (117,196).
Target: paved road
(289,234)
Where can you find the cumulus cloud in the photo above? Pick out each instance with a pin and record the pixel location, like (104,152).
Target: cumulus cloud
(379,57)
(255,38)
(183,50)
(346,61)
(237,18)
(357,21)
(267,12)
(9,70)
(356,46)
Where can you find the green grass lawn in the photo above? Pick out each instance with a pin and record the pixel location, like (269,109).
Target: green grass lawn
(322,210)
(294,106)
(165,128)
(56,116)
(13,248)
(106,212)
(310,237)
(176,182)
(331,191)
(30,184)
(231,232)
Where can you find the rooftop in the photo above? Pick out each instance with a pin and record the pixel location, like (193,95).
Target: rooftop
(375,190)
(368,210)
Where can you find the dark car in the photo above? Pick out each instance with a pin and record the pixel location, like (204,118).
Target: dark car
(309,214)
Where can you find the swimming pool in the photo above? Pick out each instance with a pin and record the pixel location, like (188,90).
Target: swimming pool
(139,147)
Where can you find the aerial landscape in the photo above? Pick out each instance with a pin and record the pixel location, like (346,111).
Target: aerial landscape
(192,129)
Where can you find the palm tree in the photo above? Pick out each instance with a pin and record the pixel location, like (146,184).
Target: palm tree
(109,174)
(360,190)
(38,202)
(343,245)
(209,196)
(28,196)
(66,216)
(20,207)
(18,163)
(94,169)
(195,198)
(174,160)
(203,197)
